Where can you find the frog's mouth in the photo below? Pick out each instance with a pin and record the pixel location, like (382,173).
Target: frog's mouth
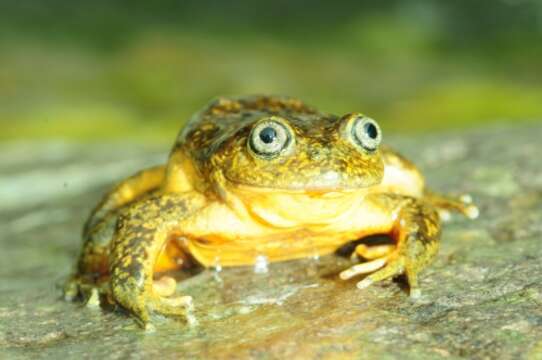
(320,191)
(322,187)
(328,192)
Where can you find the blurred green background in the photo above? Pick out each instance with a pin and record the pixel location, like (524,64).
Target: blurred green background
(136,70)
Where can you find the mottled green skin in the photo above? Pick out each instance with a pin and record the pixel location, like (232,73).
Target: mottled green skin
(125,236)
(131,283)
(216,138)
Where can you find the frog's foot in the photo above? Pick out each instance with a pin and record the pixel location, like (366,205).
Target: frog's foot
(154,298)
(416,231)
(380,269)
(446,204)
(167,304)
(378,256)
(392,264)
(174,306)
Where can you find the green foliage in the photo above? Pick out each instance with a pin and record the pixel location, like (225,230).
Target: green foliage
(128,70)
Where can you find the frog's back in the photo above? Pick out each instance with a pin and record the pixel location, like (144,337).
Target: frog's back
(224,117)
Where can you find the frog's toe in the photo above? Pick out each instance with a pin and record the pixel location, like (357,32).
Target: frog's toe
(378,256)
(165,286)
(71,290)
(77,289)
(471,211)
(181,307)
(392,268)
(372,252)
(363,268)
(395,267)
(176,306)
(467,208)
(165,303)
(445,214)
(446,204)
(382,269)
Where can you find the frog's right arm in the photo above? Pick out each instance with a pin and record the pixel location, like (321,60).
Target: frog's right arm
(125,192)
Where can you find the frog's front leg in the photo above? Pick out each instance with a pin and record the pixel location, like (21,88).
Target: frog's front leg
(414,225)
(143,231)
(92,268)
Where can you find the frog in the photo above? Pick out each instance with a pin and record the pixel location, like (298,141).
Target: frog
(260,177)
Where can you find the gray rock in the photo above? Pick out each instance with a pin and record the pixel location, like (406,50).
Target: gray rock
(481,299)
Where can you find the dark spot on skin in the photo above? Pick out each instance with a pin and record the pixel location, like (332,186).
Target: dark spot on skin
(166,204)
(134,241)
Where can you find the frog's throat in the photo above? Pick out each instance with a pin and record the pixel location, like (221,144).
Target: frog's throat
(290,208)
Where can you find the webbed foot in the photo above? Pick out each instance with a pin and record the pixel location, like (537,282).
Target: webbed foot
(388,264)
(416,233)
(159,298)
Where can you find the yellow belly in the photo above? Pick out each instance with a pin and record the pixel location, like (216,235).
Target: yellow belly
(277,247)
(239,235)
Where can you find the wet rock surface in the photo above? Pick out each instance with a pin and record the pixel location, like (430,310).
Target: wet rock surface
(482,298)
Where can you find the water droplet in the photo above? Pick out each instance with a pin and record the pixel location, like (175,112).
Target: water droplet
(261,266)
(191,318)
(217,265)
(314,260)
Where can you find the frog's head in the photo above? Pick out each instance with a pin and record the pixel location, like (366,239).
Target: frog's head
(307,152)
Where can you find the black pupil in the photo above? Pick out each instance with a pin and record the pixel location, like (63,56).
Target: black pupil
(371,130)
(268,135)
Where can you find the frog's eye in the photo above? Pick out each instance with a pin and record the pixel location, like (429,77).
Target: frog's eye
(270,138)
(366,133)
